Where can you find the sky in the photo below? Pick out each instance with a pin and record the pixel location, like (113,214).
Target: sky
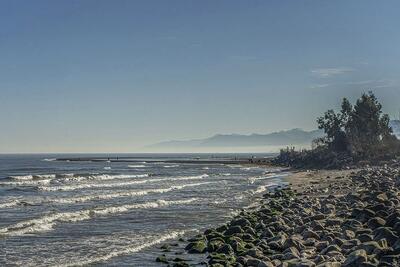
(113,76)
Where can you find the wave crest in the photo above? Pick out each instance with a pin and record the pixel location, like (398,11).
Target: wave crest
(47,222)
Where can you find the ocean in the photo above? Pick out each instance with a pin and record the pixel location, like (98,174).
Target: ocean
(76,213)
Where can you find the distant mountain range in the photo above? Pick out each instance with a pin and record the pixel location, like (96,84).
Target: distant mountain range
(267,142)
(395,124)
(282,138)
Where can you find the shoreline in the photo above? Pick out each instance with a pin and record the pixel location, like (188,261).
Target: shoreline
(321,218)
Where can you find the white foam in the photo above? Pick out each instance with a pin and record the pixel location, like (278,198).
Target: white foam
(263,177)
(47,222)
(260,189)
(115,176)
(111,185)
(75,177)
(221,201)
(126,250)
(107,168)
(137,166)
(26,182)
(33,177)
(22,177)
(171,166)
(123,194)
(9,204)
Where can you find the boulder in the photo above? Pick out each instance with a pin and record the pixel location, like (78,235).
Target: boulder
(234,230)
(291,253)
(242,222)
(226,249)
(330,249)
(180,264)
(196,247)
(385,233)
(376,222)
(310,234)
(371,247)
(223,259)
(356,258)
(162,259)
(214,244)
(252,262)
(365,238)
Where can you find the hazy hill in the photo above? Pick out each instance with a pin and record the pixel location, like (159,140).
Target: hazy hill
(282,138)
(271,142)
(395,124)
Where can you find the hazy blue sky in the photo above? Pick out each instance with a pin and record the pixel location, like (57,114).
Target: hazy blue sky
(115,75)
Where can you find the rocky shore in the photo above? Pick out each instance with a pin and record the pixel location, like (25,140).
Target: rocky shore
(343,218)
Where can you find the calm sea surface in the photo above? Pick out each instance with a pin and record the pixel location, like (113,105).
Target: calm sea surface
(56,213)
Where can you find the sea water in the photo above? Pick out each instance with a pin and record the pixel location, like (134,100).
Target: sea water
(75,213)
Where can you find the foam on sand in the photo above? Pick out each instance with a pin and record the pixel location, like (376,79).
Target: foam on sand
(47,222)
(269,176)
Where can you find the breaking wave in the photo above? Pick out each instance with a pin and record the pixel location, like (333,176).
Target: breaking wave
(124,194)
(44,179)
(47,222)
(111,185)
(137,166)
(33,177)
(26,182)
(9,204)
(171,166)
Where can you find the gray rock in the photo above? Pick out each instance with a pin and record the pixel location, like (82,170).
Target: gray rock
(365,238)
(291,253)
(196,247)
(355,258)
(310,234)
(330,249)
(225,249)
(371,247)
(234,230)
(256,263)
(385,233)
(376,222)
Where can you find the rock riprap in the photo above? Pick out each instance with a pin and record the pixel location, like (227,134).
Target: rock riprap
(353,222)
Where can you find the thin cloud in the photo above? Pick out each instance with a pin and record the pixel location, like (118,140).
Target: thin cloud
(329,72)
(380,83)
(362,82)
(316,86)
